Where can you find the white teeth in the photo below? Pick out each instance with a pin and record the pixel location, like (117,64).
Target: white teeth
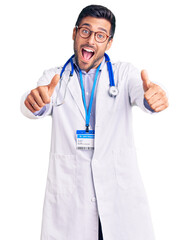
(88,50)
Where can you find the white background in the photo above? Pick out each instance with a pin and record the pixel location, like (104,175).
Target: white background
(37,35)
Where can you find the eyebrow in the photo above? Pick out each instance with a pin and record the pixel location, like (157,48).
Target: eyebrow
(89,25)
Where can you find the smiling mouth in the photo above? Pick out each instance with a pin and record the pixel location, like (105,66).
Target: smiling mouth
(87,53)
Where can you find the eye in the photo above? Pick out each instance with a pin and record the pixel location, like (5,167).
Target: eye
(101,35)
(85,31)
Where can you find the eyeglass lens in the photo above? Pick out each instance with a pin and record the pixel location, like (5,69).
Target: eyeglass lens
(99,36)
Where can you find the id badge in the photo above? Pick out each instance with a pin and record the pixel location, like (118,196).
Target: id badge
(85,140)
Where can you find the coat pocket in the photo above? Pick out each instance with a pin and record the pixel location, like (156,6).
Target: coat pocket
(126,169)
(61,174)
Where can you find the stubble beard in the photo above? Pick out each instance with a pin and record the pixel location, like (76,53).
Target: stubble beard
(94,64)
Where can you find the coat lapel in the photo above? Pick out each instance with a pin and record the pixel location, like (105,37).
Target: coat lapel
(75,90)
(102,94)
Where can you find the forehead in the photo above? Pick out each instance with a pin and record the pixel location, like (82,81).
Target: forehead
(96,24)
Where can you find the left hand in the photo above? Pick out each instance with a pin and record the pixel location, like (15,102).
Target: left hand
(154,94)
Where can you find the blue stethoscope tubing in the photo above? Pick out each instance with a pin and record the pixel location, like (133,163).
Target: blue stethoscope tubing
(65,65)
(110,70)
(113,91)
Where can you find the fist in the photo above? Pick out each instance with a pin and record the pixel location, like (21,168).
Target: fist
(154,94)
(41,96)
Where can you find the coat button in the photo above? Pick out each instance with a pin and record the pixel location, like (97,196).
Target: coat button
(93,199)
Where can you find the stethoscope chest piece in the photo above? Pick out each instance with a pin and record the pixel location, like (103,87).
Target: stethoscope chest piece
(113,91)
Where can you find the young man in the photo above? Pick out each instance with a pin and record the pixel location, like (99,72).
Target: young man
(93,175)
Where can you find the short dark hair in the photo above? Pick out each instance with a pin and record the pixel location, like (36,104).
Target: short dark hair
(98,11)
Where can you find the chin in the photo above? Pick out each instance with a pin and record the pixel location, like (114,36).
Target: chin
(85,66)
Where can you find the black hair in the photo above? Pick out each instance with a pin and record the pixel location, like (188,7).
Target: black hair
(98,11)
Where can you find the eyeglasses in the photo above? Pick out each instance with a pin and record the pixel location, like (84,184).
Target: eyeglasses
(86,33)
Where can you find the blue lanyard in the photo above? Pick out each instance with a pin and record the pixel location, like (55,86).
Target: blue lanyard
(88,113)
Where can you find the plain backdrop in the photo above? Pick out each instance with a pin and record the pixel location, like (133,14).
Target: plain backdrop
(37,35)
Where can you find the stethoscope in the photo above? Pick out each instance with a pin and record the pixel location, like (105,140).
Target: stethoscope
(113,90)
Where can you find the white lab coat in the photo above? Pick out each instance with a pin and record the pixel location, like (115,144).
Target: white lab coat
(82,185)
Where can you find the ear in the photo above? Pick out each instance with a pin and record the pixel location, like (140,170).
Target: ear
(109,44)
(74,33)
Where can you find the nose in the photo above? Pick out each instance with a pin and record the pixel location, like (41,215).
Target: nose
(91,39)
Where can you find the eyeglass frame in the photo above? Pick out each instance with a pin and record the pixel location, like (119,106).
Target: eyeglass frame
(107,36)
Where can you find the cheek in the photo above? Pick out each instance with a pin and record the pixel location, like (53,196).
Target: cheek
(101,50)
(77,42)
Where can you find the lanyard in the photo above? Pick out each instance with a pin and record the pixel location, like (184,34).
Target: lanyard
(88,113)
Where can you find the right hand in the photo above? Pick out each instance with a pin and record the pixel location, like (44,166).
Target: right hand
(41,96)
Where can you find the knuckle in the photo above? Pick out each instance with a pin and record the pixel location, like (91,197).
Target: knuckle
(150,102)
(26,103)
(165,100)
(38,108)
(167,105)
(155,87)
(26,98)
(40,88)
(41,104)
(33,91)
(146,96)
(153,107)
(48,100)
(162,92)
(29,98)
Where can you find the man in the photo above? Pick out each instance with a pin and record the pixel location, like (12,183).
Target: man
(94,190)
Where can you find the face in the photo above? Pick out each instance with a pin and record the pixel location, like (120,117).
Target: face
(88,52)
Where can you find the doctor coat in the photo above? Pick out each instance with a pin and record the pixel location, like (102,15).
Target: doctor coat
(82,185)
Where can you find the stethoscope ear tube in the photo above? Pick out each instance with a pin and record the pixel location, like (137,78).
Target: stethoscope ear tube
(65,65)
(107,59)
(110,70)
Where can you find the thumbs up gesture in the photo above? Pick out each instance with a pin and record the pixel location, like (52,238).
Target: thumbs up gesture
(40,96)
(154,94)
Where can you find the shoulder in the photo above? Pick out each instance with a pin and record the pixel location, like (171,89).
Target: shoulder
(52,71)
(48,75)
(125,70)
(123,66)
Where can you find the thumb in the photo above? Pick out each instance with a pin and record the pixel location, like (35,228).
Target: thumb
(146,80)
(53,84)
